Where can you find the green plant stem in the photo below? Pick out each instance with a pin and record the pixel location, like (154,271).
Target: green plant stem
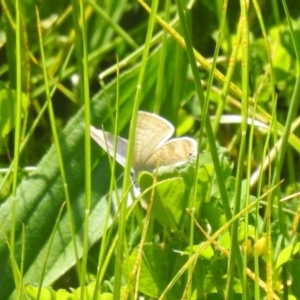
(56,139)
(87,142)
(13,262)
(241,157)
(129,158)
(208,127)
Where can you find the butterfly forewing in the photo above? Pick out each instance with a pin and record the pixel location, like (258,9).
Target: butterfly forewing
(152,131)
(173,153)
(106,141)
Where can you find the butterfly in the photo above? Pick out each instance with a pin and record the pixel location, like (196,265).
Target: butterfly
(152,146)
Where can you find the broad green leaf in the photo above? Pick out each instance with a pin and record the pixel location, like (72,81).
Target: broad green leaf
(286,254)
(90,293)
(41,196)
(45,293)
(168,200)
(155,270)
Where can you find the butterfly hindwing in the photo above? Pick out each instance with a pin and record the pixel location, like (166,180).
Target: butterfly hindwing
(175,152)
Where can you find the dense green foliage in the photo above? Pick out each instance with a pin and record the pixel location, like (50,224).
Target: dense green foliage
(214,228)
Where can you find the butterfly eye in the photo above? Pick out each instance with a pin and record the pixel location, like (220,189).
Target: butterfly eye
(192,155)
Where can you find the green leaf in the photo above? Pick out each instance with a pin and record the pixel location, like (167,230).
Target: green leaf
(45,294)
(286,254)
(61,294)
(89,293)
(168,202)
(41,195)
(207,253)
(8,105)
(155,270)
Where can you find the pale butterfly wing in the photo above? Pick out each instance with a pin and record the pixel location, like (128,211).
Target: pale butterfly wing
(152,132)
(175,152)
(151,148)
(106,141)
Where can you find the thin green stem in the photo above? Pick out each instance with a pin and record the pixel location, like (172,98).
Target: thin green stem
(241,157)
(13,262)
(129,158)
(55,133)
(87,140)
